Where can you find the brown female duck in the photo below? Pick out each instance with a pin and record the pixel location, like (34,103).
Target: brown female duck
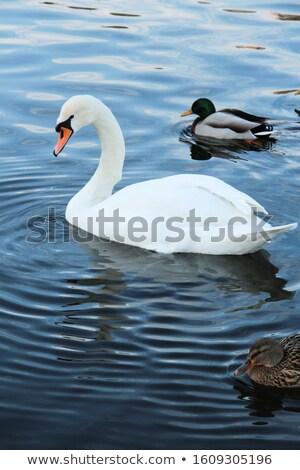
(273,362)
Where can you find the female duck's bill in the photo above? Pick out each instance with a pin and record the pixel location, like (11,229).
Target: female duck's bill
(244,368)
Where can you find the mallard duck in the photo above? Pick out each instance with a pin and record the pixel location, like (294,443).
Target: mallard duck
(204,208)
(273,362)
(226,123)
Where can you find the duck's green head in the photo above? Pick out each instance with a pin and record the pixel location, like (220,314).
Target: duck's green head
(203,107)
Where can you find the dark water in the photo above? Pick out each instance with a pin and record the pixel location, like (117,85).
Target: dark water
(106,346)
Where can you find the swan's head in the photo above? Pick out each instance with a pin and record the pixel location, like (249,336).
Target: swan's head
(76,112)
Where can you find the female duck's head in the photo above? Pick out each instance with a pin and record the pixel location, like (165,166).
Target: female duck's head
(265,352)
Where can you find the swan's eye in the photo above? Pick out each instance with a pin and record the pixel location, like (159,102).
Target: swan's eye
(71,117)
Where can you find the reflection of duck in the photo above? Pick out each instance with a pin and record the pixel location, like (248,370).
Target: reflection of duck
(274,362)
(202,148)
(226,123)
(264,402)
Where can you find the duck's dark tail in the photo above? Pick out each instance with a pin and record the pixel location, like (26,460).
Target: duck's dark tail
(263,130)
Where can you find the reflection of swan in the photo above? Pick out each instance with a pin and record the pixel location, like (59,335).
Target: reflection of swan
(252,273)
(102,303)
(153,207)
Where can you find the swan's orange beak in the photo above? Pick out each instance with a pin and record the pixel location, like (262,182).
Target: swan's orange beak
(187,113)
(63,137)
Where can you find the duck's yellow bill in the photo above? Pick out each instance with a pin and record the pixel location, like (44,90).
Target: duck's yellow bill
(189,111)
(63,137)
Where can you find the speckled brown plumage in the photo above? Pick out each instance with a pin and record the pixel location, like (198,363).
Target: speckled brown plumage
(274,363)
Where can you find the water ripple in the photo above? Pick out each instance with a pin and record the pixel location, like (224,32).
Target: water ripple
(108,346)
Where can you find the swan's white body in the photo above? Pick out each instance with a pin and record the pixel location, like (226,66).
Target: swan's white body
(162,214)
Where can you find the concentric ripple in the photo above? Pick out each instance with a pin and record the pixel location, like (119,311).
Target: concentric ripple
(109,347)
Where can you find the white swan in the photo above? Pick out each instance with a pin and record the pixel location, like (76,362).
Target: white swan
(181,213)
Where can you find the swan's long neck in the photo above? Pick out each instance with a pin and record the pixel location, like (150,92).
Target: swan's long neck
(109,170)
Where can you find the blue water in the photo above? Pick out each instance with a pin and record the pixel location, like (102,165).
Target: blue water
(105,346)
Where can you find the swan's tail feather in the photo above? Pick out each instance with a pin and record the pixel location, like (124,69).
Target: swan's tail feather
(274,231)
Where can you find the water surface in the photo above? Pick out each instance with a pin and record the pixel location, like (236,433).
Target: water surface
(109,347)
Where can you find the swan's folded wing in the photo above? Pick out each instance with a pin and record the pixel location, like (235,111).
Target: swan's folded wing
(240,201)
(176,195)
